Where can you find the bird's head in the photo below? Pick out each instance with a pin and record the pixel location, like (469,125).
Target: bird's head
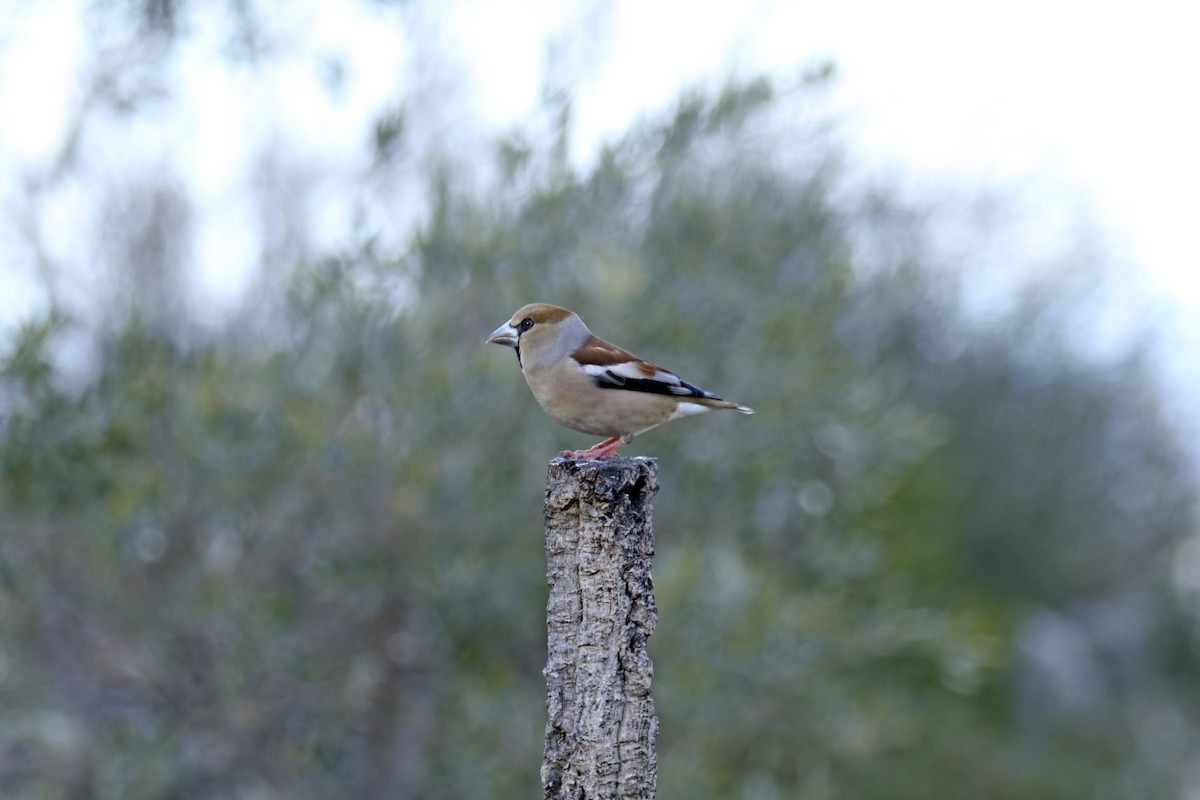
(541,333)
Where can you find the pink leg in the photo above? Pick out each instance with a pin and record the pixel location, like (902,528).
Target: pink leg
(605,449)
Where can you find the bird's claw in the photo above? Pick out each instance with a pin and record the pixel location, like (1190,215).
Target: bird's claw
(606,449)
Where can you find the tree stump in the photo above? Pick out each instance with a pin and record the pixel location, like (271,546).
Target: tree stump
(599,542)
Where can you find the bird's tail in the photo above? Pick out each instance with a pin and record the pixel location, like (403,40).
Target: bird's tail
(717,402)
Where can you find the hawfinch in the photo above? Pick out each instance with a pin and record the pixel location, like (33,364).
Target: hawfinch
(593,386)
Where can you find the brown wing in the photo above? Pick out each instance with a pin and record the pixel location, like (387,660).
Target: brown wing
(596,351)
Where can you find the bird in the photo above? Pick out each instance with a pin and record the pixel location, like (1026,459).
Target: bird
(593,386)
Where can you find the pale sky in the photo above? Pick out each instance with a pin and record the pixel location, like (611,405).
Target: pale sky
(1089,101)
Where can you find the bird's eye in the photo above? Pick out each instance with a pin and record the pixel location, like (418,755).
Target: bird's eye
(525,325)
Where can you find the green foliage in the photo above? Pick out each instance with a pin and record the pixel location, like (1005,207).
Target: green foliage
(309,563)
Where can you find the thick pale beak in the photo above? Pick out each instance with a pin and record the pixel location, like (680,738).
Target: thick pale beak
(506,334)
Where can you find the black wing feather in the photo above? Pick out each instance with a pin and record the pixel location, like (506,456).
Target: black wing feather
(611,380)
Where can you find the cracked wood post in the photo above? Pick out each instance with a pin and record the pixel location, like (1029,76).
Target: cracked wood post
(599,542)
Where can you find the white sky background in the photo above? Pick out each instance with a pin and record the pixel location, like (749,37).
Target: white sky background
(1090,103)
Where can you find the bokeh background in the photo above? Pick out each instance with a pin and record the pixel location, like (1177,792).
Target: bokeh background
(270,512)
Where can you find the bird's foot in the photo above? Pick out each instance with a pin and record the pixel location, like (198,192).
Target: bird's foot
(606,449)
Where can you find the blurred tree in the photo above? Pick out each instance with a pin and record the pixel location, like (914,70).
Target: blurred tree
(301,557)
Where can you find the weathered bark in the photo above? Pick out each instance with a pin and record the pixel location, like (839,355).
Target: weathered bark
(599,542)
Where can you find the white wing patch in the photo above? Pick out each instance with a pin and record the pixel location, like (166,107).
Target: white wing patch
(631,370)
(618,374)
